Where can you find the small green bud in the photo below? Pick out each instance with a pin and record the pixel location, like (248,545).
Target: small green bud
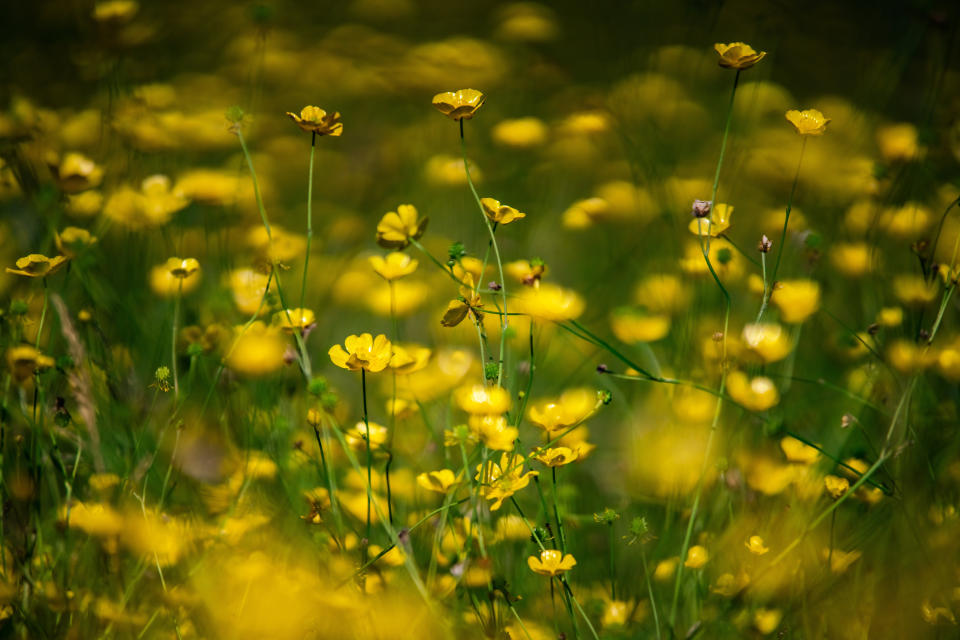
(317,386)
(491,370)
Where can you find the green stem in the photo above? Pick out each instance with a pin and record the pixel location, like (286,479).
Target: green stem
(556,513)
(366,424)
(43,315)
(306,259)
(613,574)
(173,339)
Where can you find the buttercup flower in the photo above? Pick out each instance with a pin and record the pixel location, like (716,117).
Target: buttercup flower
(796,299)
(182,267)
(459,105)
(362,352)
(551,563)
(75,172)
(316,120)
(557,415)
(549,302)
(468,302)
(555,456)
(494,431)
(501,480)
(716,223)
(755,545)
(290,319)
(500,213)
(397,228)
(439,481)
(797,451)
(809,122)
(72,240)
(479,400)
(738,55)
(755,394)
(37,265)
(409,358)
(395,265)
(697,556)
(836,486)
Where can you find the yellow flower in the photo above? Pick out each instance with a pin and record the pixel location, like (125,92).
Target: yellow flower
(797,451)
(480,400)
(555,456)
(248,287)
(25,360)
(256,351)
(632,325)
(766,621)
(908,357)
(439,481)
(522,133)
(72,240)
(501,480)
(37,265)
(809,122)
(397,228)
(549,302)
(583,213)
(796,299)
(395,265)
(898,142)
(913,290)
(75,172)
(836,486)
(468,302)
(85,204)
(559,414)
(115,11)
(755,394)
(551,563)
(182,268)
(356,437)
(768,341)
(615,614)
(665,569)
(500,213)
(756,546)
(853,259)
(717,222)
(289,319)
(738,55)
(459,105)
(316,120)
(494,431)
(409,358)
(697,556)
(528,272)
(840,561)
(362,352)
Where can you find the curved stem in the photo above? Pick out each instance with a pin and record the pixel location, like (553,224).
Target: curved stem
(173,339)
(306,259)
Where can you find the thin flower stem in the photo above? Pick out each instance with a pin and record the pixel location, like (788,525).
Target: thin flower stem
(556,512)
(433,259)
(306,259)
(613,573)
(173,339)
(43,314)
(366,424)
(496,254)
(783,234)
(653,600)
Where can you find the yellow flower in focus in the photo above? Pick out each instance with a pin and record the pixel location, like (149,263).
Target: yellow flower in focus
(256,352)
(297,319)
(75,172)
(459,105)
(395,265)
(494,431)
(501,480)
(73,240)
(632,325)
(836,486)
(316,120)
(797,451)
(522,133)
(397,228)
(37,265)
(555,456)
(182,268)
(796,299)
(766,340)
(809,122)
(551,563)
(362,352)
(716,223)
(500,213)
(439,481)
(468,302)
(755,545)
(754,394)
(738,55)
(480,400)
(549,302)
(697,557)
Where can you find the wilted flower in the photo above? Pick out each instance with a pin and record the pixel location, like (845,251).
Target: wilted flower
(316,120)
(500,213)
(551,563)
(362,352)
(738,55)
(397,228)
(809,122)
(459,105)
(37,265)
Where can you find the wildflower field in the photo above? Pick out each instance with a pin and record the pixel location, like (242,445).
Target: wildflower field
(416,319)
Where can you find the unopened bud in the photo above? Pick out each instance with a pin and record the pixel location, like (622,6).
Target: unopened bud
(701,208)
(764,245)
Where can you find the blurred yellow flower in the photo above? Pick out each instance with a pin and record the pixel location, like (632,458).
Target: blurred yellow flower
(766,621)
(665,569)
(616,613)
(72,240)
(853,259)
(555,456)
(528,272)
(913,290)
(290,320)
(439,481)
(409,358)
(797,300)
(809,122)
(522,133)
(755,545)
(898,142)
(551,563)
(632,325)
(356,436)
(85,204)
(555,415)
(24,360)
(459,105)
(37,265)
(362,352)
(836,486)
(549,302)
(397,228)
(480,400)
(754,394)
(738,55)
(767,340)
(394,265)
(716,223)
(75,172)
(797,451)
(500,213)
(890,317)
(165,284)
(182,267)
(316,120)
(257,351)
(697,557)
(248,287)
(662,293)
(494,431)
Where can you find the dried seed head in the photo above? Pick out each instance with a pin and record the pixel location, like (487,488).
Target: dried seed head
(701,208)
(764,245)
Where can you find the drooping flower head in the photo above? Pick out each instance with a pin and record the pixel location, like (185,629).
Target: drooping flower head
(738,55)
(459,105)
(500,213)
(316,120)
(809,122)
(362,352)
